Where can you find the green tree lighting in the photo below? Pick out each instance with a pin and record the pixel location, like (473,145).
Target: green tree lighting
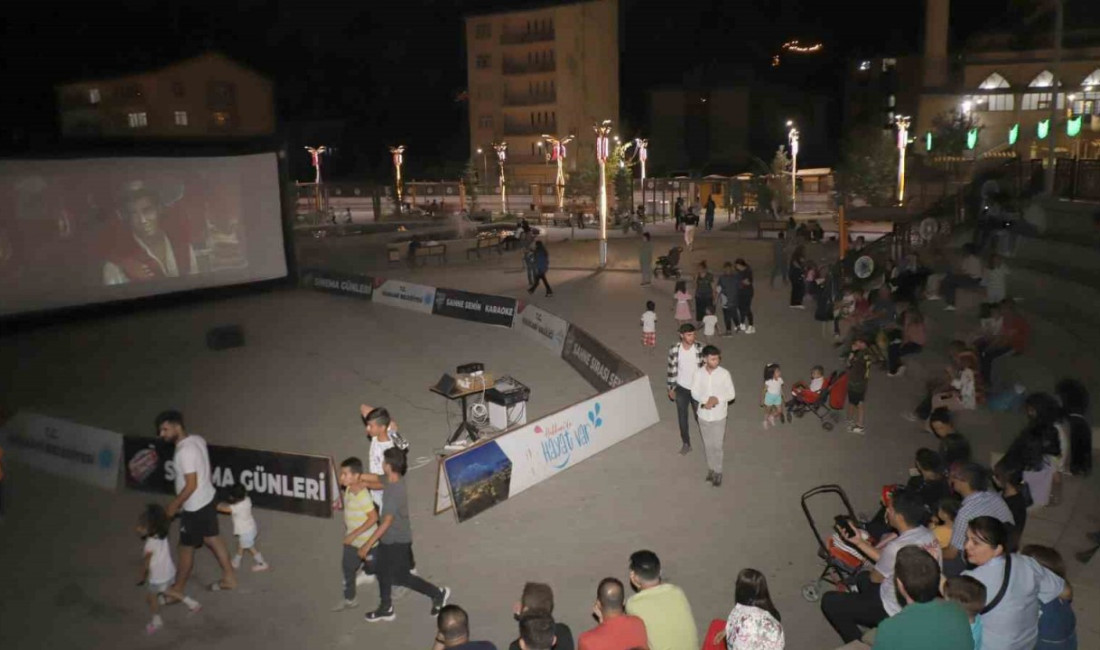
(1013,133)
(928,141)
(1042,129)
(1073,126)
(971,138)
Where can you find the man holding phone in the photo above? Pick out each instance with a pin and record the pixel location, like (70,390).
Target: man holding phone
(877,598)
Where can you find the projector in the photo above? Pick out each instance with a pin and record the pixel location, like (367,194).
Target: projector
(470,368)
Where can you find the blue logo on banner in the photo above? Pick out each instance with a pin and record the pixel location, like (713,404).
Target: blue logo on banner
(106,457)
(561,439)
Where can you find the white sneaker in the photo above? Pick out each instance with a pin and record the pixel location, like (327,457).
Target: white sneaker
(949,308)
(743,327)
(346,604)
(236,561)
(933,297)
(365,579)
(752,329)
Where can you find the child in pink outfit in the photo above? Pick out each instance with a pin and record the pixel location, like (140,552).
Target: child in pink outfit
(683,300)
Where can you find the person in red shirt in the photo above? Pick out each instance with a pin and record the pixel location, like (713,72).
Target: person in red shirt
(617,629)
(1015,335)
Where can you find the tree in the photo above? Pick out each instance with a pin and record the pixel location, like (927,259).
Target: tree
(949,130)
(780,178)
(585,179)
(470,185)
(868,168)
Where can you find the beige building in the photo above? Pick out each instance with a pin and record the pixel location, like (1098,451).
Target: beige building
(1003,85)
(551,71)
(209,96)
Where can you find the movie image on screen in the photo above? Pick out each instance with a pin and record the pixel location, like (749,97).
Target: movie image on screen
(83,231)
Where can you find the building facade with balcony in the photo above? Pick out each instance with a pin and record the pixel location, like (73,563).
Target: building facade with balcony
(209,96)
(552,71)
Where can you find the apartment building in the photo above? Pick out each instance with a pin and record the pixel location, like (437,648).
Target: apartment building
(551,70)
(209,96)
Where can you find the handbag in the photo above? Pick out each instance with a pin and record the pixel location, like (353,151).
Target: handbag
(1004,586)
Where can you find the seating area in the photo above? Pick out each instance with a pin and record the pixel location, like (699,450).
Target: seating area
(420,253)
(487,243)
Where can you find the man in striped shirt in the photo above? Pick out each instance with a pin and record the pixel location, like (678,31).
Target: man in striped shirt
(972,482)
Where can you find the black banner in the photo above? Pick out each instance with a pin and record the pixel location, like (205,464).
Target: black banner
(288,482)
(597,364)
(479,307)
(345,284)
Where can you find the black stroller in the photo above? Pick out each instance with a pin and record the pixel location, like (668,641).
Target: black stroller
(669,265)
(840,565)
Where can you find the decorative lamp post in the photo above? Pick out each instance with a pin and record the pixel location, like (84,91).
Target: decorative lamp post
(557,154)
(902,122)
(792,138)
(603,151)
(641,145)
(315,158)
(502,153)
(398,160)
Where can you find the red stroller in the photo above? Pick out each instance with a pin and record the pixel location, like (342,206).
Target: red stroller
(826,403)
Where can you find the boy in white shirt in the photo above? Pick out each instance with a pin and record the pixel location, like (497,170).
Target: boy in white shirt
(244,527)
(649,326)
(710,323)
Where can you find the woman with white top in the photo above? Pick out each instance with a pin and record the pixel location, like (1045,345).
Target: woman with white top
(1015,586)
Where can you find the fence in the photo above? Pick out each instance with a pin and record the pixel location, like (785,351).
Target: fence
(1074,178)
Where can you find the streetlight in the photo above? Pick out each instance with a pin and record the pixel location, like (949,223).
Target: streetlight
(557,154)
(792,138)
(603,130)
(315,156)
(902,122)
(502,152)
(398,160)
(641,145)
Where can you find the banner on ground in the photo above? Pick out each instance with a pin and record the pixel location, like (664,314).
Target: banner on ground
(64,448)
(405,295)
(478,307)
(295,483)
(345,284)
(491,472)
(596,362)
(541,326)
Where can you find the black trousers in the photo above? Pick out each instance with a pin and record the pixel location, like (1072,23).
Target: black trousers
(744,307)
(702,301)
(349,565)
(393,565)
(685,405)
(731,317)
(847,611)
(798,289)
(539,277)
(896,350)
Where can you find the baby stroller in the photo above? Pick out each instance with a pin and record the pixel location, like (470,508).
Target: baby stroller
(842,563)
(826,403)
(669,265)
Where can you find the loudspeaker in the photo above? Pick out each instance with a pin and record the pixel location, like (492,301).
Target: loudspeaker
(225,337)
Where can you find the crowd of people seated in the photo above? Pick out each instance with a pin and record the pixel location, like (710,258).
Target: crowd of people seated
(966,517)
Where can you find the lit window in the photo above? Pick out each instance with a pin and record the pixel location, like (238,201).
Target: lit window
(93,96)
(484,61)
(889,64)
(1040,101)
(1000,102)
(993,82)
(864,66)
(221,118)
(181,118)
(1092,80)
(891,101)
(137,120)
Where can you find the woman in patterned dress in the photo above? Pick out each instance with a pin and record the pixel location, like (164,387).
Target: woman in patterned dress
(754,622)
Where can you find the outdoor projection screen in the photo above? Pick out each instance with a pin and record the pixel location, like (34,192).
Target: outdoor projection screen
(81,231)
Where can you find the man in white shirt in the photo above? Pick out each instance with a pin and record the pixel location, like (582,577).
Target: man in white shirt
(712,389)
(194,503)
(877,597)
(382,431)
(684,359)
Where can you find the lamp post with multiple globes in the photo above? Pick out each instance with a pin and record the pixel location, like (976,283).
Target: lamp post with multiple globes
(398,153)
(603,151)
(557,154)
(902,122)
(502,153)
(792,138)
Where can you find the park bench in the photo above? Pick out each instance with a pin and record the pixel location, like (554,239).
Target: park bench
(427,251)
(484,243)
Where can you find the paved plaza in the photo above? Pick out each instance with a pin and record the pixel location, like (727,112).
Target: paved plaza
(69,555)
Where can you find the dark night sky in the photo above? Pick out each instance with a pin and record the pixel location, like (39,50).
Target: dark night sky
(393,69)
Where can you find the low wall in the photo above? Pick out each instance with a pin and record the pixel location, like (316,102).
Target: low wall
(492,470)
